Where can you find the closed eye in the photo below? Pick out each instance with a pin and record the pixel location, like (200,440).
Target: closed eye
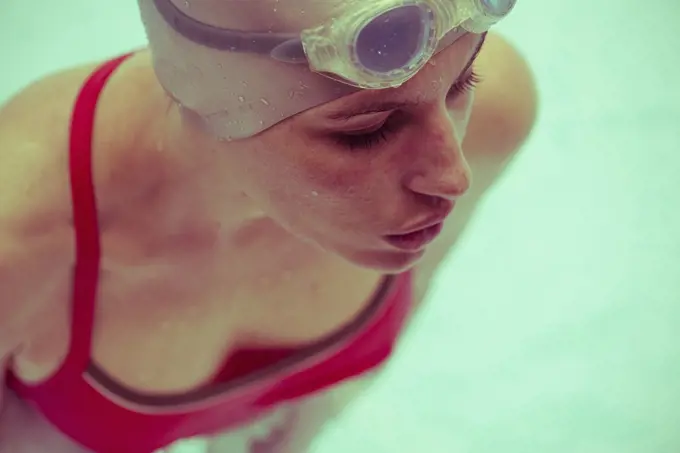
(367,140)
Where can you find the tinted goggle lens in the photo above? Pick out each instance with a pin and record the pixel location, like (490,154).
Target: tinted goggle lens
(498,7)
(395,39)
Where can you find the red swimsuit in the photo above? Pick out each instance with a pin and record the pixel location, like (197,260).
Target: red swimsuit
(103,416)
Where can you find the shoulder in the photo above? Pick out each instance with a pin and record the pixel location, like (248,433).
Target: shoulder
(33,139)
(36,230)
(35,133)
(35,211)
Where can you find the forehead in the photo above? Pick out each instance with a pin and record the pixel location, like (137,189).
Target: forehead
(435,77)
(260,15)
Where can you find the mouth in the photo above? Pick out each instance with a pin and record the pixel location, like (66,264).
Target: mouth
(415,240)
(417,236)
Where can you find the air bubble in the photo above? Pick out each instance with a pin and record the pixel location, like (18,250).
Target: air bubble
(315,193)
(241,99)
(264,101)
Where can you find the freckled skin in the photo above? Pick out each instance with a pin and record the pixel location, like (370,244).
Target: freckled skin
(298,176)
(363,194)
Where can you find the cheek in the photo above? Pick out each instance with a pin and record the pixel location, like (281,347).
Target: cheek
(310,178)
(338,186)
(339,181)
(332,171)
(306,184)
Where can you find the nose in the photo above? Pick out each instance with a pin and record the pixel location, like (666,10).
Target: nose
(438,167)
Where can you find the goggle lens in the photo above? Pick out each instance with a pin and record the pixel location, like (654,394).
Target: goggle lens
(498,7)
(394,40)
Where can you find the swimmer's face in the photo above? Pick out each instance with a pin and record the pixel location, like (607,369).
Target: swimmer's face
(348,173)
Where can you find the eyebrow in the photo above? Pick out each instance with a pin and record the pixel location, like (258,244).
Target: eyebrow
(374,106)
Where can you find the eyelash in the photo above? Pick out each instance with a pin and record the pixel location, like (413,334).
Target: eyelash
(372,139)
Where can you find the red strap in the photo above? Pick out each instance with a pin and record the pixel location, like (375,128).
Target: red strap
(85,219)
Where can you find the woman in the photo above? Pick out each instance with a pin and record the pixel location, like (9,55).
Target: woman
(234,242)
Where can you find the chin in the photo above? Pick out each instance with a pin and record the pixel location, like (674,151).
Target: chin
(391,262)
(383,261)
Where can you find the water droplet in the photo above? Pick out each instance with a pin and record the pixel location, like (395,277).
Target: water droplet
(315,193)
(244,83)
(186,4)
(241,99)
(264,101)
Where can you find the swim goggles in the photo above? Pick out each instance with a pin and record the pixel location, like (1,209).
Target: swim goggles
(379,44)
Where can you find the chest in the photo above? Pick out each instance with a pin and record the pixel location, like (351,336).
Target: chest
(167,325)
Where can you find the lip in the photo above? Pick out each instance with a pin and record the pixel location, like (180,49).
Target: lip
(427,223)
(415,240)
(431,220)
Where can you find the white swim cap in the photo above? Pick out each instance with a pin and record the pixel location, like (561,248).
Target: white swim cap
(243,81)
